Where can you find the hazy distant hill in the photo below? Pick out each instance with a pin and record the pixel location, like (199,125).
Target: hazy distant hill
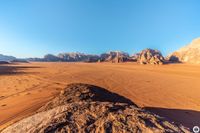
(189,53)
(6,58)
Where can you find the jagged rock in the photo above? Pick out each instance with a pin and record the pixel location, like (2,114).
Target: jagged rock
(72,57)
(150,56)
(188,54)
(115,57)
(50,57)
(88,108)
(78,57)
(92,58)
(135,57)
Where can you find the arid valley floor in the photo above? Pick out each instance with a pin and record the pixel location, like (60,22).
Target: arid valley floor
(172,91)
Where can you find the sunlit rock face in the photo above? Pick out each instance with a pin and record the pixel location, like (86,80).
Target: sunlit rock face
(188,54)
(150,56)
(115,57)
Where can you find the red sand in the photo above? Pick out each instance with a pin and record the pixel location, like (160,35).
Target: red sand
(172,91)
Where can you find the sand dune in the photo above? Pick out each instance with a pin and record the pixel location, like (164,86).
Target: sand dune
(167,90)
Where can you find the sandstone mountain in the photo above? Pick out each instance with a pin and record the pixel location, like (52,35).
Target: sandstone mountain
(150,56)
(189,53)
(115,57)
(88,108)
(75,57)
(135,57)
(50,57)
(68,57)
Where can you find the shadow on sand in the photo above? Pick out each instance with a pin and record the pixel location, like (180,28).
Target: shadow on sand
(14,69)
(187,118)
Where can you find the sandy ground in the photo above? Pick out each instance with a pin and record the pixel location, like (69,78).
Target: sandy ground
(172,91)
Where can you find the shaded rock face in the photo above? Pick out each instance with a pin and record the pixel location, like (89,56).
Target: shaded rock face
(88,108)
(72,57)
(50,57)
(150,56)
(174,58)
(77,57)
(188,54)
(135,57)
(115,57)
(68,57)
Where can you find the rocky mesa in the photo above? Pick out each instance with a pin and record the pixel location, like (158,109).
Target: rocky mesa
(150,56)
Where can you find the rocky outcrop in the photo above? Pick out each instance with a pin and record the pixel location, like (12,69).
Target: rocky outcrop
(72,57)
(115,57)
(150,56)
(88,108)
(135,57)
(78,57)
(68,57)
(50,57)
(187,54)
(35,59)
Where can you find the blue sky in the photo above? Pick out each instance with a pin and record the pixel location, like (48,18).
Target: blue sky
(32,28)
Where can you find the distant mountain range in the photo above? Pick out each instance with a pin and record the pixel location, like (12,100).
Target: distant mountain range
(147,56)
(188,54)
(112,56)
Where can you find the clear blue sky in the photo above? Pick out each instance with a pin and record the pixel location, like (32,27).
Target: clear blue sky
(32,28)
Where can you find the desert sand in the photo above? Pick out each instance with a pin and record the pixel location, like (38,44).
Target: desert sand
(172,91)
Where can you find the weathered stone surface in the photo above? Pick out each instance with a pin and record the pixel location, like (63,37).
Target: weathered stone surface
(150,56)
(88,108)
(187,54)
(115,57)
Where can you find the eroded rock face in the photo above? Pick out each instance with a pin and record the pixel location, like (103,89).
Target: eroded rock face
(88,108)
(150,56)
(115,57)
(77,57)
(135,57)
(188,54)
